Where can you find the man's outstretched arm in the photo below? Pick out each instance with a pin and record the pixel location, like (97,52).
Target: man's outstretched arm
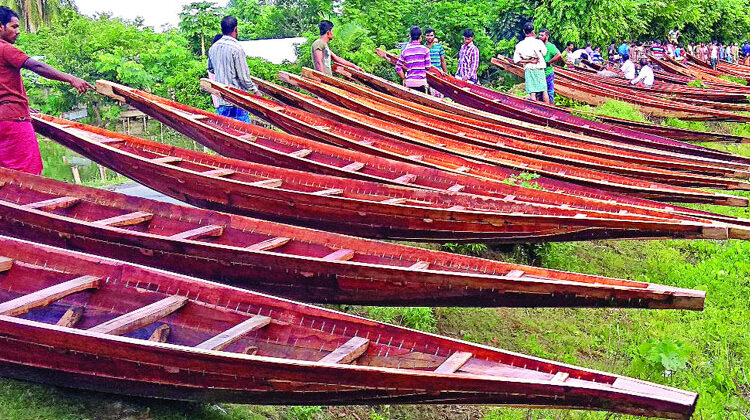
(45,70)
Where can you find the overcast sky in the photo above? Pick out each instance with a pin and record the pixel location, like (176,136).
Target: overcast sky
(155,13)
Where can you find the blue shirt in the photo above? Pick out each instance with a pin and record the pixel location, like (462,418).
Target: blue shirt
(623,49)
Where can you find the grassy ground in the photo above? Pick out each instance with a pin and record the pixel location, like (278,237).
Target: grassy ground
(707,352)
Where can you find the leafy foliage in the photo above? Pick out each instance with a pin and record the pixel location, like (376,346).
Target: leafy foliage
(199,21)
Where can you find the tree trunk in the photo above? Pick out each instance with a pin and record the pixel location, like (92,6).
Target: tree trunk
(203,45)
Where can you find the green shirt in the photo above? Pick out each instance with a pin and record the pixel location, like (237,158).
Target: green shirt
(552,51)
(322,46)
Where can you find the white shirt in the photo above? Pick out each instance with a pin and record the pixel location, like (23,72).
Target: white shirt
(529,48)
(628,69)
(575,55)
(646,76)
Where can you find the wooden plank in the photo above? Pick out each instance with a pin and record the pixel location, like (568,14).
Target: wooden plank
(397,200)
(457,188)
(353,167)
(560,377)
(166,159)
(454,362)
(5,264)
(420,265)
(348,352)
(199,232)
(223,340)
(160,334)
(129,219)
(44,297)
(330,191)
(111,141)
(141,317)
(406,179)
(340,255)
(270,183)
(219,172)
(71,317)
(54,203)
(301,153)
(271,243)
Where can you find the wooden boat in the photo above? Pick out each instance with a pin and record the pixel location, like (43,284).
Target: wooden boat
(250,142)
(293,262)
(412,139)
(336,204)
(597,94)
(464,129)
(532,133)
(676,133)
(87,322)
(482,101)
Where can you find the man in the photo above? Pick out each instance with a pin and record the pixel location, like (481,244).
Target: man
(714,54)
(656,50)
(612,52)
(228,62)
(322,55)
(645,76)
(735,53)
(589,50)
(552,56)
(573,57)
(530,52)
(414,62)
(437,52)
(674,36)
(637,52)
(746,53)
(628,68)
(19,149)
(468,59)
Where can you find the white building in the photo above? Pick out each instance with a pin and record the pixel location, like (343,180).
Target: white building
(273,50)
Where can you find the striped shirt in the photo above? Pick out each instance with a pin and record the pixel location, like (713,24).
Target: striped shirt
(415,61)
(436,51)
(226,60)
(468,62)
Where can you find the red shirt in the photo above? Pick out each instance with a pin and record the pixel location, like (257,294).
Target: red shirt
(14,104)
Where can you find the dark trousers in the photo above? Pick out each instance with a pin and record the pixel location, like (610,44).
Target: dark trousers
(422,89)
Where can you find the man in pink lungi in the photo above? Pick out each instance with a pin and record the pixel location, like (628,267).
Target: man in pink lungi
(18,146)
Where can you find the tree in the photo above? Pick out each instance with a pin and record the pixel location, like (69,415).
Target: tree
(198,20)
(35,13)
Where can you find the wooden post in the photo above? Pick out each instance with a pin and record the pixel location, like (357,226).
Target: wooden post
(102,172)
(76,174)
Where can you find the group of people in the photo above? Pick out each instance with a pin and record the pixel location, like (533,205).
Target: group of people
(416,59)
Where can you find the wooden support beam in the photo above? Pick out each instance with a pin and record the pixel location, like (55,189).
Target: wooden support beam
(219,172)
(71,317)
(560,377)
(269,183)
(457,188)
(160,334)
(166,159)
(271,243)
(223,340)
(330,191)
(454,362)
(141,317)
(199,232)
(44,297)
(397,200)
(129,219)
(353,167)
(5,264)
(54,203)
(420,265)
(340,255)
(301,153)
(406,179)
(348,352)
